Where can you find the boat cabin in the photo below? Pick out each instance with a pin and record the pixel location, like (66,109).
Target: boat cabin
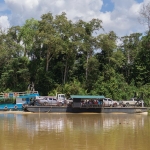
(85,101)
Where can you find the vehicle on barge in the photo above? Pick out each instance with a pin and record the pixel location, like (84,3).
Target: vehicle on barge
(134,101)
(59,99)
(108,102)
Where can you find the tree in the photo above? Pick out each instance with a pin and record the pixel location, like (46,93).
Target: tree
(27,35)
(9,46)
(145,15)
(49,38)
(88,41)
(141,68)
(107,44)
(93,73)
(130,47)
(16,74)
(66,49)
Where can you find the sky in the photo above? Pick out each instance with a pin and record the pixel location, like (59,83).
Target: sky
(120,16)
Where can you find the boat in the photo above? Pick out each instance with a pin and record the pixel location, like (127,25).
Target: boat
(84,103)
(16,100)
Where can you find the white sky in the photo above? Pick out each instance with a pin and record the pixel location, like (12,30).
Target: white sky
(120,16)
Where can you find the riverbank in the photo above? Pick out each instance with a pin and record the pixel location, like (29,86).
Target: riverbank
(23,112)
(15,112)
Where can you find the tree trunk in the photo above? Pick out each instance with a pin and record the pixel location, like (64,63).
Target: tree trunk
(47,63)
(86,73)
(47,60)
(65,72)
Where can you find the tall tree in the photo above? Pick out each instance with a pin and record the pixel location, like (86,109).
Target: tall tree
(66,49)
(16,74)
(50,39)
(27,35)
(88,42)
(107,44)
(145,15)
(141,66)
(130,48)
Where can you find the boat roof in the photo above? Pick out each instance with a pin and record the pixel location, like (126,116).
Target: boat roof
(87,96)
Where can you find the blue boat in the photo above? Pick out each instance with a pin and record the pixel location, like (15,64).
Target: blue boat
(16,100)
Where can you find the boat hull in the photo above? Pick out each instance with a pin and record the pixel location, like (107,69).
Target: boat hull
(10,107)
(59,109)
(124,109)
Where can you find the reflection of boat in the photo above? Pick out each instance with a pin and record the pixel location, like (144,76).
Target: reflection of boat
(15,100)
(86,122)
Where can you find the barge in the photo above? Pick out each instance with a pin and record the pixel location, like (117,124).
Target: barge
(68,109)
(84,103)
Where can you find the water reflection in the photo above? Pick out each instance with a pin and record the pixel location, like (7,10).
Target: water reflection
(74,131)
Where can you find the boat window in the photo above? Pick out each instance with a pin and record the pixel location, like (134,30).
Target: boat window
(50,99)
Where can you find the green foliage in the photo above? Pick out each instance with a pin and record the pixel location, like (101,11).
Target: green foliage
(145,89)
(74,88)
(16,74)
(114,86)
(141,66)
(61,56)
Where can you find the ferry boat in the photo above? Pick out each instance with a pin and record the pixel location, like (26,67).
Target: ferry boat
(77,106)
(15,100)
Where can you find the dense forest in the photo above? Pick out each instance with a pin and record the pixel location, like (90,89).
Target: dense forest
(59,55)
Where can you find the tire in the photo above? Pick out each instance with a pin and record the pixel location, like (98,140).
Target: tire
(121,105)
(5,108)
(15,107)
(127,105)
(60,104)
(114,105)
(45,103)
(140,105)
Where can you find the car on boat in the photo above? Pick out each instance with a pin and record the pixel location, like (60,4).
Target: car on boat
(47,101)
(108,102)
(132,102)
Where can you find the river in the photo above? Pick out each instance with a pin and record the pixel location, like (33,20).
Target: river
(30,131)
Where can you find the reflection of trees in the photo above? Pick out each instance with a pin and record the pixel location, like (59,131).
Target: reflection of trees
(124,120)
(80,122)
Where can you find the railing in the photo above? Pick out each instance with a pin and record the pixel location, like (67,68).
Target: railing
(17,94)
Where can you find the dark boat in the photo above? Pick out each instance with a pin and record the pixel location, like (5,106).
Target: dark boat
(85,103)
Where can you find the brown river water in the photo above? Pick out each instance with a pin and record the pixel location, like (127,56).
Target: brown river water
(48,131)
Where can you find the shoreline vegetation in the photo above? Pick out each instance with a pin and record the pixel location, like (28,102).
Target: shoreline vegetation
(62,56)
